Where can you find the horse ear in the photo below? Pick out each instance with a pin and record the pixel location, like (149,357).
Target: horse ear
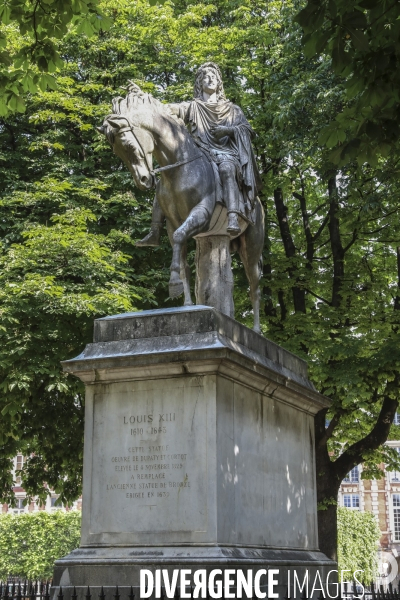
(116,121)
(133,88)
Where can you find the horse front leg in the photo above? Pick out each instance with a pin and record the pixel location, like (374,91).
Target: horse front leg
(175,283)
(197,221)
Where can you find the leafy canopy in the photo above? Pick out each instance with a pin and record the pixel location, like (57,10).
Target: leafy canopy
(362,39)
(29,49)
(330,283)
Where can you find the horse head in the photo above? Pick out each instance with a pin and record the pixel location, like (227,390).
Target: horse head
(133,145)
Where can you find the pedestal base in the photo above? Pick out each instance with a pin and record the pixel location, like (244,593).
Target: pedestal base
(108,567)
(199,451)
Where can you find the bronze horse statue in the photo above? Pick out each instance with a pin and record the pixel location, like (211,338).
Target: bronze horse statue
(142,127)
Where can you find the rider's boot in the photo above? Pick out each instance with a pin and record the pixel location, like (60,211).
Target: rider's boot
(152,238)
(233,227)
(231,194)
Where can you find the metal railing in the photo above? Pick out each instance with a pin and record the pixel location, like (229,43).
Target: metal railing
(17,589)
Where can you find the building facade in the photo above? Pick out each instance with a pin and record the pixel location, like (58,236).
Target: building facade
(382,498)
(51,502)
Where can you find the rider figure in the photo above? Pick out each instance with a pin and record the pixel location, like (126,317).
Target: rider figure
(221,130)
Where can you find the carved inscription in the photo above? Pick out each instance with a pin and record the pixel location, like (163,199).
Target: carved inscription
(156,469)
(152,459)
(150,468)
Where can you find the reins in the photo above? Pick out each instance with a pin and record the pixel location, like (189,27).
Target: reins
(130,128)
(160,169)
(177,164)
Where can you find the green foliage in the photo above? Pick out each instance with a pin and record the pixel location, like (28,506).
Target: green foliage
(52,285)
(358,539)
(27,60)
(330,286)
(326,503)
(30,543)
(68,216)
(361,37)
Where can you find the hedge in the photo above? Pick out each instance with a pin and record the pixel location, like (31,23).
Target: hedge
(30,543)
(358,538)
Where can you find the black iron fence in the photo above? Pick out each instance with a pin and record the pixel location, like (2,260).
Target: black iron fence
(17,589)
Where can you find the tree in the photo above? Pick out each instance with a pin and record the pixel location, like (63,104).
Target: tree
(331,267)
(331,270)
(361,37)
(67,221)
(27,59)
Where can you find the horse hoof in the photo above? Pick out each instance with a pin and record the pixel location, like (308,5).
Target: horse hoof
(175,289)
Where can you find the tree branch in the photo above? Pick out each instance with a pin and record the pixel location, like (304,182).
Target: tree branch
(318,297)
(321,227)
(299,298)
(397,298)
(306,227)
(328,431)
(336,243)
(354,454)
(353,239)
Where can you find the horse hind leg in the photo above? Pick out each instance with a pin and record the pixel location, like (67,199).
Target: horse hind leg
(253,268)
(250,251)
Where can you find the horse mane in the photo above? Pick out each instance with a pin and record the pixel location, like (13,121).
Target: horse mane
(134,100)
(133,109)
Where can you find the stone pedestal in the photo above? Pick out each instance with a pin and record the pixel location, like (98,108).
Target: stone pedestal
(214,277)
(199,450)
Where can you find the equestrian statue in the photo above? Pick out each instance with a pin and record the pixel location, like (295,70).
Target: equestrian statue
(207,188)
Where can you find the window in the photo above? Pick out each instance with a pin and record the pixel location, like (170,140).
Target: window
(352,477)
(352,501)
(19,463)
(55,506)
(19,508)
(396,515)
(395,475)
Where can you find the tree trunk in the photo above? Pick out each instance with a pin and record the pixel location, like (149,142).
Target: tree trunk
(327,493)
(299,294)
(397,297)
(327,531)
(336,243)
(327,490)
(331,473)
(269,308)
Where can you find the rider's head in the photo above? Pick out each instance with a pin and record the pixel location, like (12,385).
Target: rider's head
(201,72)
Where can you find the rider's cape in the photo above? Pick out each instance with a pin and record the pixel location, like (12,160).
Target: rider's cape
(200,117)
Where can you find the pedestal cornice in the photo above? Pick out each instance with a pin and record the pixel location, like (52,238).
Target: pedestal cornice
(193,340)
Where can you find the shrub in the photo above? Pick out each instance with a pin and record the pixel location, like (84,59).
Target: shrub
(358,537)
(30,543)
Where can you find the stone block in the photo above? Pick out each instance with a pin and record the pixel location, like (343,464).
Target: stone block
(199,450)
